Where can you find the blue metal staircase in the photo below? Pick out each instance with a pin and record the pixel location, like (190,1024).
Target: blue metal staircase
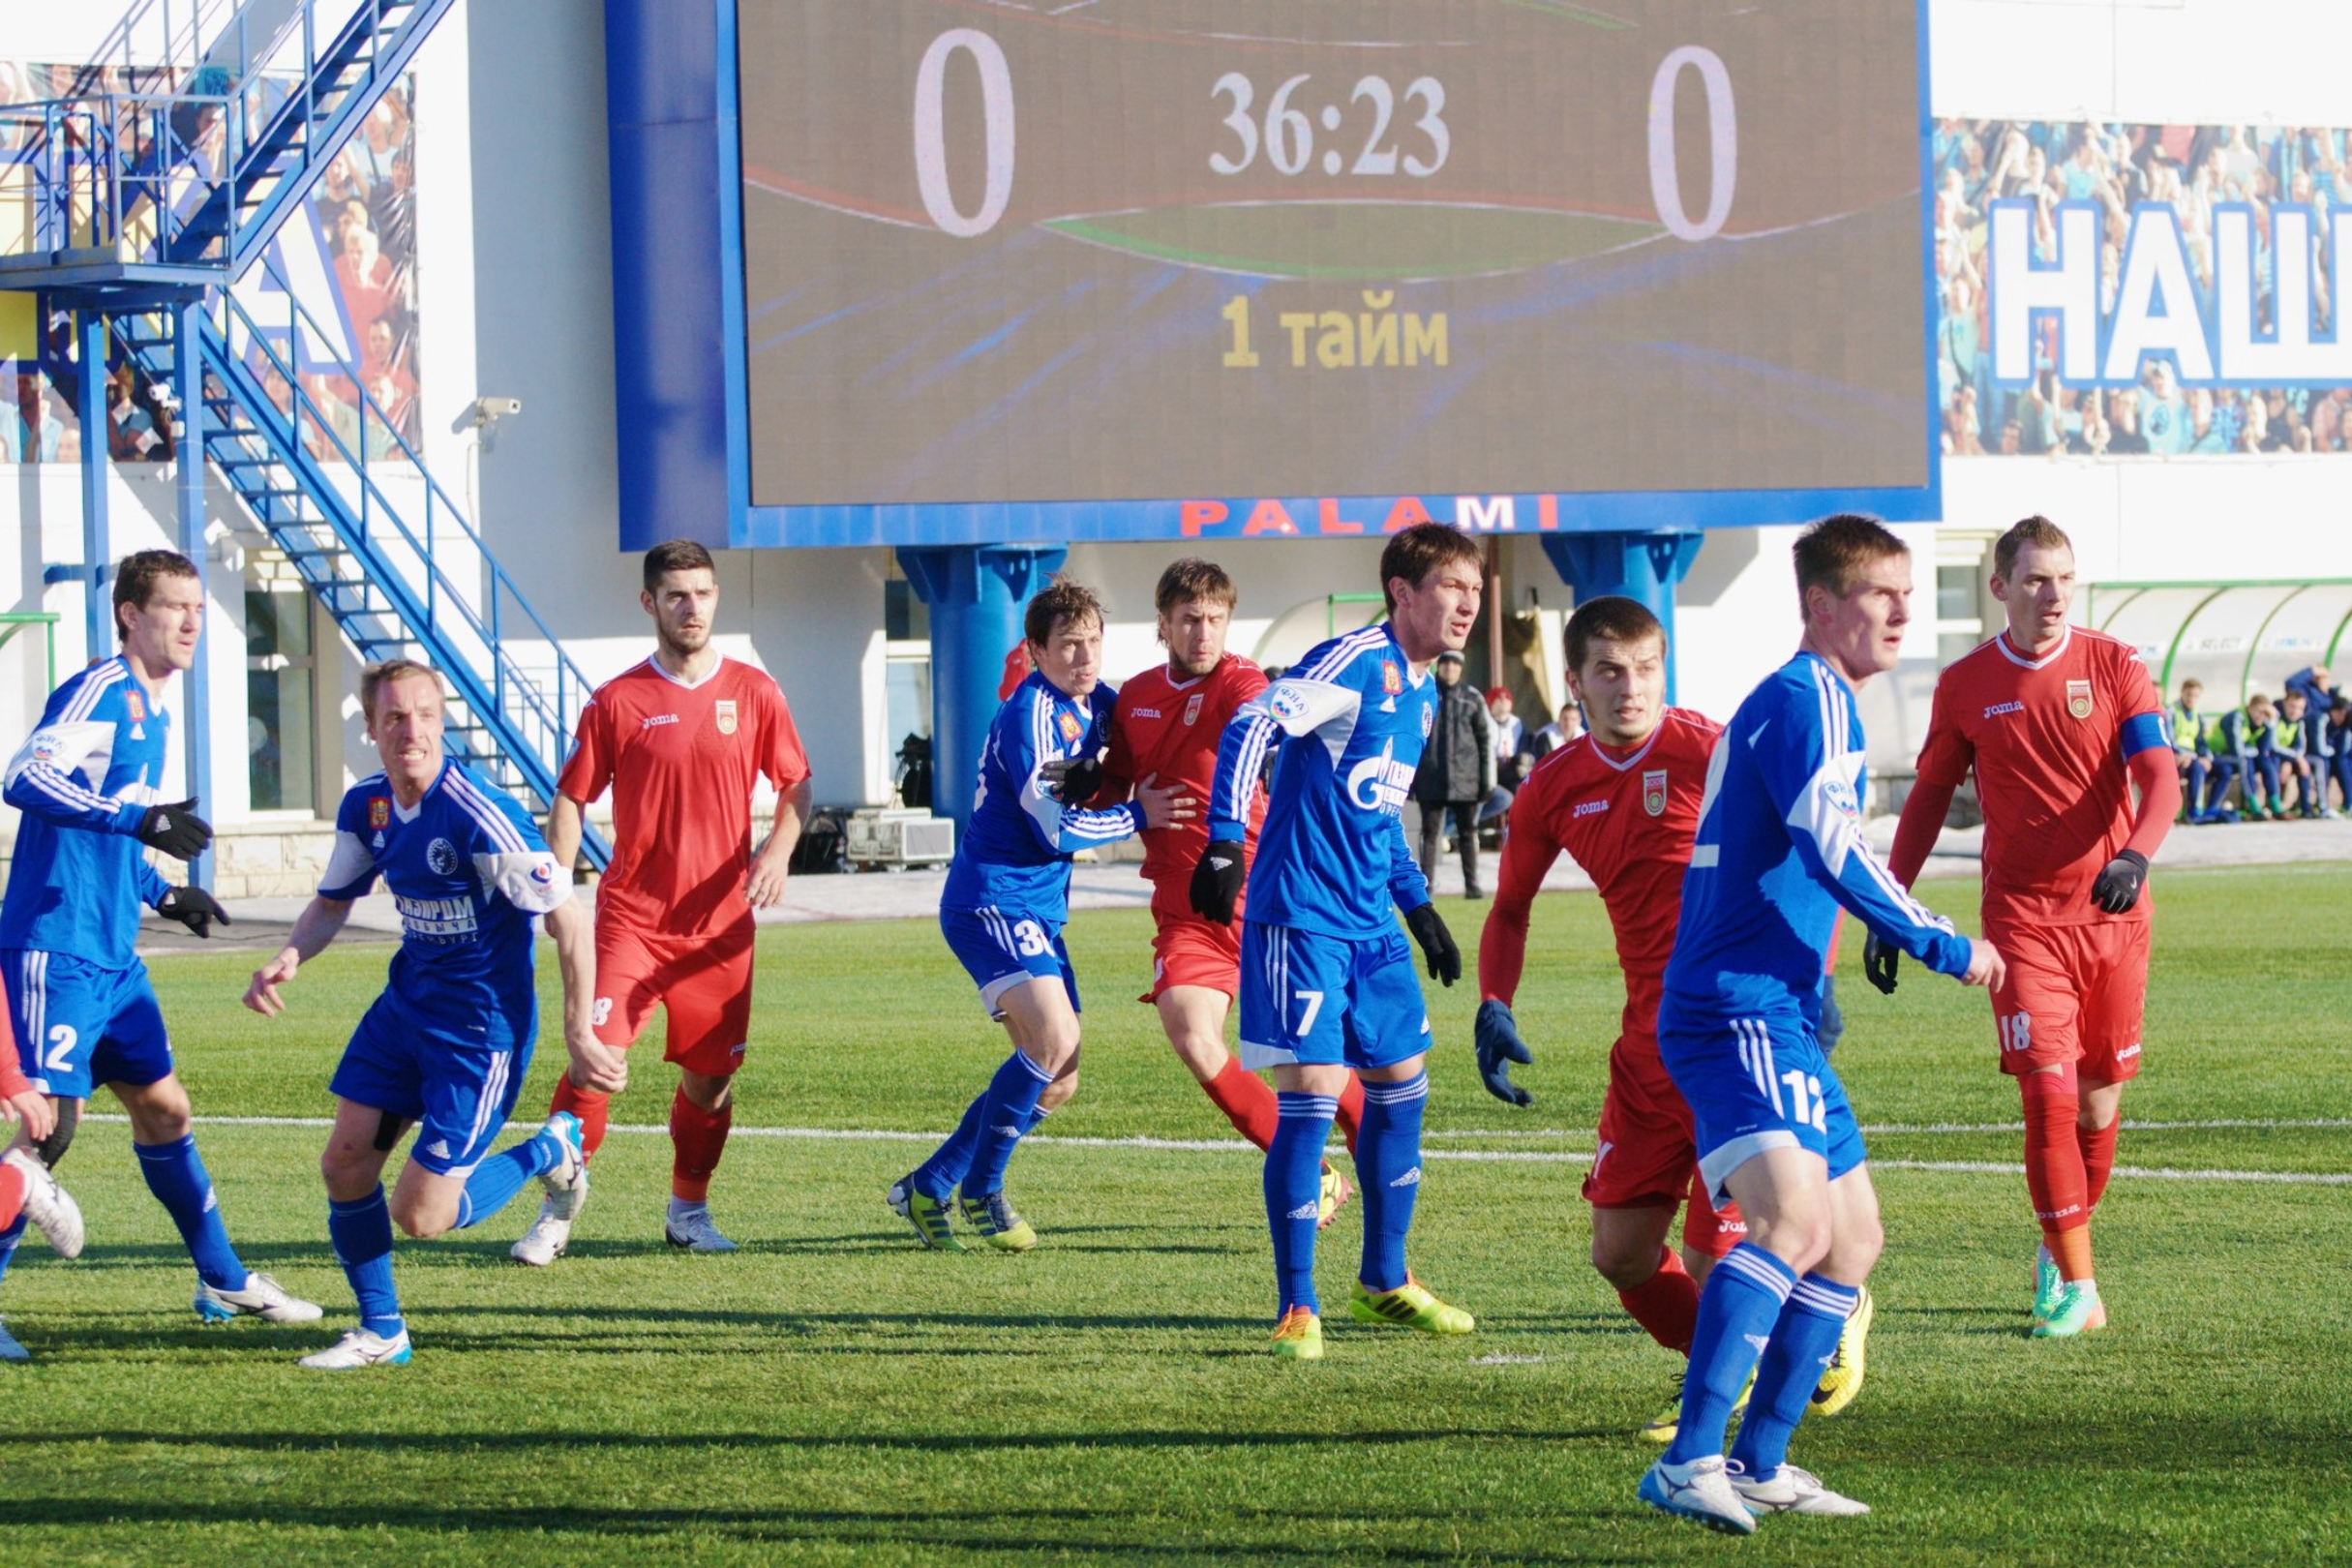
(146,207)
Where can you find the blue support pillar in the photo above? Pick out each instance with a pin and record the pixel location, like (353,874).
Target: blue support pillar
(97,541)
(188,450)
(976,594)
(1643,566)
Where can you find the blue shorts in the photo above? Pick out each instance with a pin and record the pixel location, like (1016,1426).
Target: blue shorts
(459,1087)
(1755,1084)
(1000,948)
(79,1025)
(1325,1000)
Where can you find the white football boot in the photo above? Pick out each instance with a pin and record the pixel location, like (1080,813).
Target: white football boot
(49,1207)
(1792,1490)
(262,1295)
(1700,1491)
(359,1348)
(693,1230)
(567,1190)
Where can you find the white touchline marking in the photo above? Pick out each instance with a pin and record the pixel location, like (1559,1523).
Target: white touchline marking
(1926,1128)
(1513,1156)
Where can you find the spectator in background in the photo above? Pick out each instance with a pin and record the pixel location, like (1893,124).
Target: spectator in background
(365,277)
(2340,749)
(1511,759)
(2190,753)
(131,432)
(2162,418)
(2204,432)
(2317,689)
(2295,762)
(2124,422)
(1456,772)
(1565,726)
(2241,757)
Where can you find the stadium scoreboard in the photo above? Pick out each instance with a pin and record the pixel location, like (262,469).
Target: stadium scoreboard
(1166,268)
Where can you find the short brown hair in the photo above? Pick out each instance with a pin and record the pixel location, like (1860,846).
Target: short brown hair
(2193,683)
(1421,549)
(675,556)
(136,578)
(1833,552)
(2037,530)
(377,677)
(1191,580)
(1611,618)
(1063,599)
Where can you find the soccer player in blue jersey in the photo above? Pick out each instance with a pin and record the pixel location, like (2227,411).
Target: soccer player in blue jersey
(1779,850)
(1007,900)
(446,1045)
(1327,981)
(78,996)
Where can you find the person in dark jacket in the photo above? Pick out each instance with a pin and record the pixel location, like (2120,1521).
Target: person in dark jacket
(1456,772)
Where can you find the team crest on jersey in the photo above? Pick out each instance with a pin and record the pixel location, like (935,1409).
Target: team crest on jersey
(137,706)
(1071,727)
(1390,681)
(1653,792)
(1428,720)
(2078,698)
(380,811)
(724,711)
(1191,707)
(443,856)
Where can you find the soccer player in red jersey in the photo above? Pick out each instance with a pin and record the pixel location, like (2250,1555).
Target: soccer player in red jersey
(1166,726)
(2060,725)
(1622,801)
(680,739)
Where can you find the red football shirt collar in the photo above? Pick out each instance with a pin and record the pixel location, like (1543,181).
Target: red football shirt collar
(2009,649)
(656,666)
(1633,757)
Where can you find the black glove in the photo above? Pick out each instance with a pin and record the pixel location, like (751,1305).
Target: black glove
(2118,888)
(192,907)
(1217,881)
(1079,782)
(1437,943)
(1497,1033)
(175,829)
(1878,961)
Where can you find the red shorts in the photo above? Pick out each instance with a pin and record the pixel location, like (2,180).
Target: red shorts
(704,983)
(1647,1154)
(1189,951)
(2075,994)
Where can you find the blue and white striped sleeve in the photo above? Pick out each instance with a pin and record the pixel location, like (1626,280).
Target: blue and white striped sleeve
(1297,705)
(509,856)
(1024,745)
(1405,883)
(1813,770)
(47,777)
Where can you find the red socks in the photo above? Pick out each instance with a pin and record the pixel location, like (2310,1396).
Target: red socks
(698,1138)
(1666,1304)
(12,1194)
(1351,1110)
(592,1106)
(2098,1160)
(2057,1176)
(1248,1103)
(1251,1106)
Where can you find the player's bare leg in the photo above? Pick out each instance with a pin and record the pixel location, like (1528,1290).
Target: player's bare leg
(1195,1019)
(700,1116)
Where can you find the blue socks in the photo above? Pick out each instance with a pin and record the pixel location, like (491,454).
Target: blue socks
(362,1233)
(938,1176)
(1736,1312)
(8,1239)
(1388,1163)
(1294,1190)
(178,1178)
(1008,1111)
(496,1180)
(1803,1341)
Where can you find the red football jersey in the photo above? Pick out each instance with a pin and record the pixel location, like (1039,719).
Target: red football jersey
(1628,818)
(683,760)
(1169,728)
(2045,738)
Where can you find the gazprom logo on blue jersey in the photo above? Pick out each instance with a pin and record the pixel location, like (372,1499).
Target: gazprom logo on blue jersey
(1380,783)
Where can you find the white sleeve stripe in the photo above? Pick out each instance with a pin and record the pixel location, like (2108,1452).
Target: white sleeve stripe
(487,815)
(55,785)
(91,690)
(1246,765)
(1343,654)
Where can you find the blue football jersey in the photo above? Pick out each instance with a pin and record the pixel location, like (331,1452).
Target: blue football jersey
(1015,856)
(467,869)
(83,782)
(1352,719)
(1779,849)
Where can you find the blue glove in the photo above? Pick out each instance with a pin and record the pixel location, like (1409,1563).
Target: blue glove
(1497,1033)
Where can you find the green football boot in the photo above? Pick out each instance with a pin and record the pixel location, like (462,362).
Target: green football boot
(2078,1312)
(1299,1336)
(998,1222)
(926,1213)
(1409,1306)
(2048,1284)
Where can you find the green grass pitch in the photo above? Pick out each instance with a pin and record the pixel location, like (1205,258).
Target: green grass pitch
(831,1394)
